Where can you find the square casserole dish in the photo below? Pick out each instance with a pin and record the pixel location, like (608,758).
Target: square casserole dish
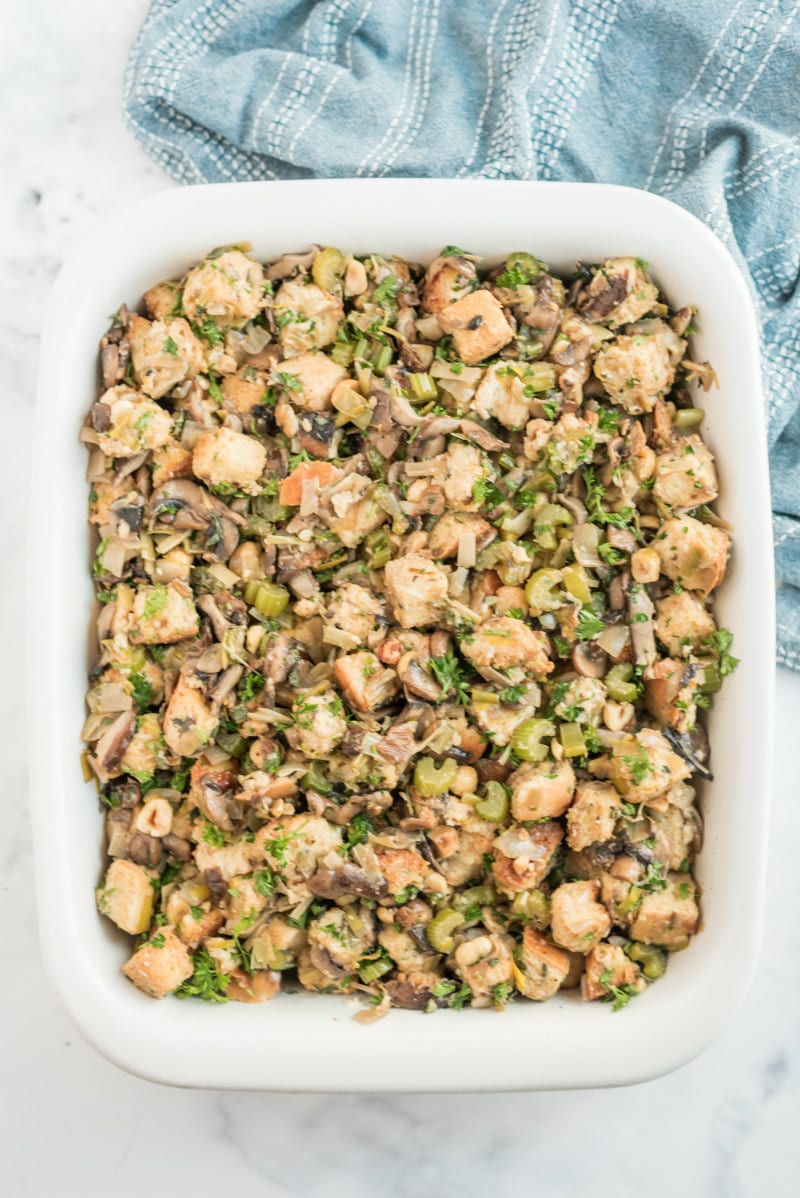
(301,1042)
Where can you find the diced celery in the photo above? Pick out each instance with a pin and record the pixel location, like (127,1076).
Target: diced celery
(379,551)
(688,418)
(423,386)
(540,591)
(526,741)
(572,741)
(576,581)
(372,970)
(494,806)
(652,959)
(534,907)
(549,516)
(618,683)
(271,599)
(328,268)
(431,779)
(440,929)
(381,357)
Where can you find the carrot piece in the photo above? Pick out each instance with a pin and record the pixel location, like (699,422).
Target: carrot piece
(291,492)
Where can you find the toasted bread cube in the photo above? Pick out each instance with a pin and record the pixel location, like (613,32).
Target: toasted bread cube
(160,300)
(223,456)
(541,791)
(163,354)
(592,816)
(126,896)
(263,985)
(172,460)
(160,965)
(478,326)
(506,644)
(163,614)
(692,553)
(634,371)
(417,590)
(515,874)
(308,317)
(542,968)
(313,377)
(578,920)
(229,289)
(245,389)
(134,423)
(682,623)
(685,474)
(189,722)
(608,961)
(669,916)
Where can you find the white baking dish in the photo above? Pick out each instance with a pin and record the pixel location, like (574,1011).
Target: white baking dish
(300,1042)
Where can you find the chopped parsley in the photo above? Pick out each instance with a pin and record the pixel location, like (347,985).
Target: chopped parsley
(589,625)
(451,676)
(213,835)
(720,642)
(619,996)
(207,982)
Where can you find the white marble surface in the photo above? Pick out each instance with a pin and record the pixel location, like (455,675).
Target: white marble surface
(725,1126)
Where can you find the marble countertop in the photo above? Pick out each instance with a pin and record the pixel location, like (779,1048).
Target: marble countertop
(726,1125)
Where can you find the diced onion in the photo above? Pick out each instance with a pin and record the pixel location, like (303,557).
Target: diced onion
(420,469)
(516,842)
(458,580)
(98,464)
(467,549)
(429,328)
(460,391)
(113,558)
(340,638)
(223,574)
(255,339)
(585,539)
(444,370)
(614,638)
(191,434)
(309,503)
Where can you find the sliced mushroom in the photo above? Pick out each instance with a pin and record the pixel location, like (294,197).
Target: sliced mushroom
(183,505)
(101,417)
(589,659)
(416,681)
(383,434)
(177,846)
(290,265)
(129,512)
(112,744)
(413,995)
(208,605)
(112,366)
(692,747)
(226,683)
(681,320)
(640,618)
(216,884)
(545,315)
(403,413)
(399,744)
(334,884)
(145,850)
(605,293)
(316,434)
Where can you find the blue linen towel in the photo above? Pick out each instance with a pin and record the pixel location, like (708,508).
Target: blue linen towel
(698,102)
